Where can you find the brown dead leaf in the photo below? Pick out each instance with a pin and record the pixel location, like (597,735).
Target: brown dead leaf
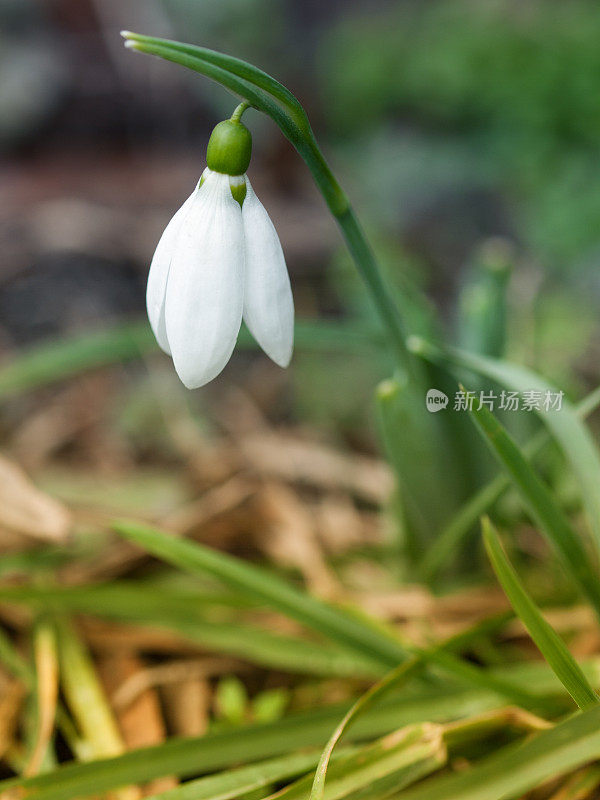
(295,460)
(130,638)
(173,672)
(26,513)
(141,721)
(72,416)
(340,526)
(289,538)
(187,706)
(216,502)
(12,693)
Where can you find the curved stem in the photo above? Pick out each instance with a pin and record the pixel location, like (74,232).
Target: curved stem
(367,265)
(360,250)
(239,110)
(260,90)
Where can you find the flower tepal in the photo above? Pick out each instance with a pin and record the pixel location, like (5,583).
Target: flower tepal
(220,260)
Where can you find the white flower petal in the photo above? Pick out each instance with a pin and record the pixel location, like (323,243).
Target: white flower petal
(204,298)
(268,301)
(159,273)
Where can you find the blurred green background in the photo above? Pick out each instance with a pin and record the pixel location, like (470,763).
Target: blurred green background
(449,121)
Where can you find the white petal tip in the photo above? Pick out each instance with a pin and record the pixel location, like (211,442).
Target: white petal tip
(191,385)
(125,34)
(164,346)
(194,381)
(131,45)
(282,361)
(194,374)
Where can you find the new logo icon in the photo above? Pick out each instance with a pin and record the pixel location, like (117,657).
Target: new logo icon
(436,400)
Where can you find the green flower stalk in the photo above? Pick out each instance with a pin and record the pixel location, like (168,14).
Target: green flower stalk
(262,92)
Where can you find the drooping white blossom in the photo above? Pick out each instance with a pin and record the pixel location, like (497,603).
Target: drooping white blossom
(218,260)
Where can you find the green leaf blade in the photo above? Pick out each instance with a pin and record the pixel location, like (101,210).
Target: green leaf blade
(236,66)
(397,760)
(454,533)
(541,504)
(547,640)
(520,767)
(239,86)
(261,585)
(568,430)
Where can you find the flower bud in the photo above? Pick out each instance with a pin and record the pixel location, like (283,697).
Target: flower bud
(229,148)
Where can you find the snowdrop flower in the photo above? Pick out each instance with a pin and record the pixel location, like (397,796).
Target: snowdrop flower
(219,260)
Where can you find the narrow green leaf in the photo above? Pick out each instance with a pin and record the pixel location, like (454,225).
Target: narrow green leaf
(520,767)
(548,641)
(473,675)
(179,613)
(85,695)
(410,434)
(240,781)
(41,754)
(360,637)
(262,585)
(54,361)
(541,505)
(237,67)
(454,533)
(214,751)
(50,362)
(392,681)
(44,558)
(389,764)
(568,430)
(482,301)
(196,59)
